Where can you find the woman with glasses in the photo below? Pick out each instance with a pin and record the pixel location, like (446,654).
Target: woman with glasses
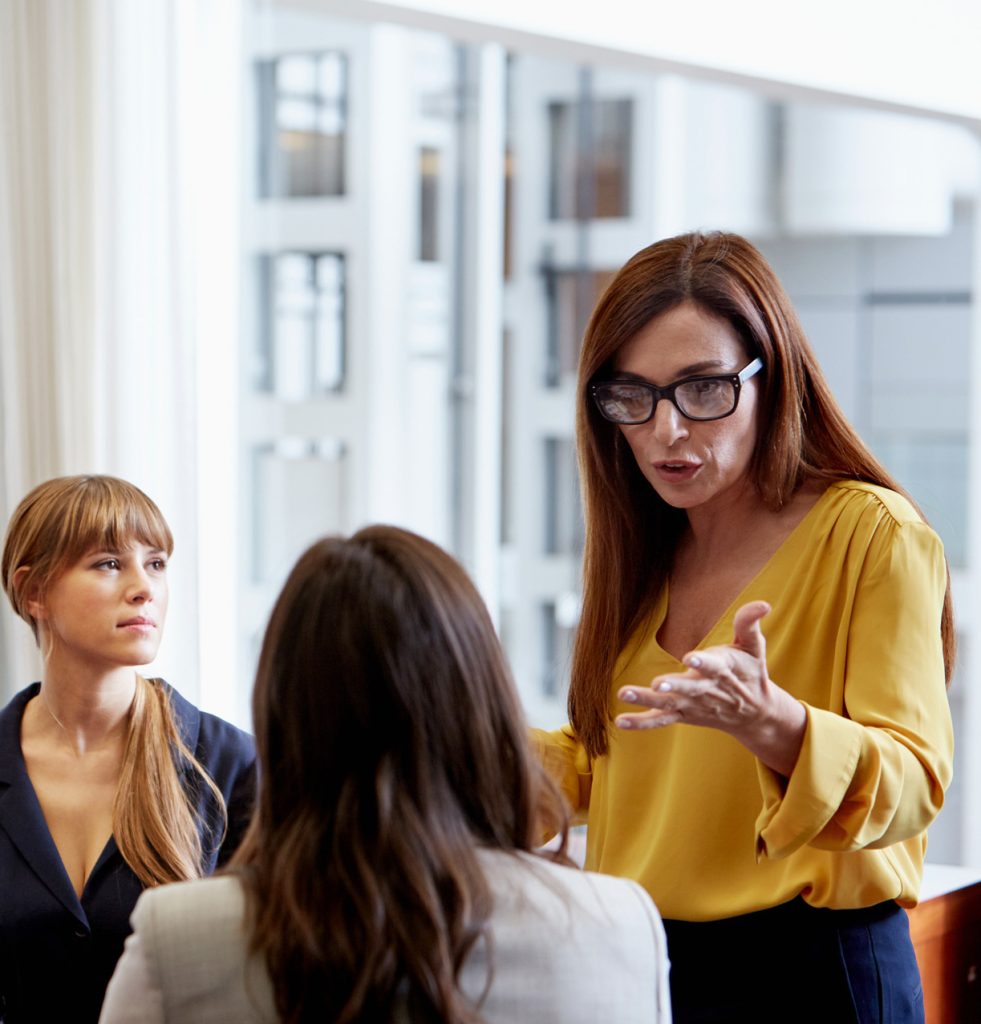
(110,783)
(759,730)
(388,874)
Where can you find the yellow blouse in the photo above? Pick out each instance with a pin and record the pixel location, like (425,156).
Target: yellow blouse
(854,633)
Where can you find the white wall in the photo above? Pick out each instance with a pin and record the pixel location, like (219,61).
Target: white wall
(902,54)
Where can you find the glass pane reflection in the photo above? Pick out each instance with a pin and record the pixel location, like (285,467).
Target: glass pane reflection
(301,324)
(589,174)
(563,509)
(298,494)
(303,125)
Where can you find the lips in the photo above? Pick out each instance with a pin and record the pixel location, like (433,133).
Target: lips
(138,621)
(676,469)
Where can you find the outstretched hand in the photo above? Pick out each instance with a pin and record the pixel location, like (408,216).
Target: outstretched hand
(726,687)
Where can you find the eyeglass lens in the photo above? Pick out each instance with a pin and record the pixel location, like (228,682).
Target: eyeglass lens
(626,402)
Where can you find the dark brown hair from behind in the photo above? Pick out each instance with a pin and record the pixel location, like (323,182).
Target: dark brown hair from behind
(631,533)
(393,744)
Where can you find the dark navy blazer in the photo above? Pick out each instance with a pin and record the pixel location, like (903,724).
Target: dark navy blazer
(57,952)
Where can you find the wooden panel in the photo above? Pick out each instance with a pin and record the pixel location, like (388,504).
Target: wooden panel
(946,933)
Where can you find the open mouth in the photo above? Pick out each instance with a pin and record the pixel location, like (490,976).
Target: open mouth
(676,470)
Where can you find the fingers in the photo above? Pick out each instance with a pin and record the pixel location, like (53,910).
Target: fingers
(647,720)
(746,628)
(660,701)
(653,696)
(718,683)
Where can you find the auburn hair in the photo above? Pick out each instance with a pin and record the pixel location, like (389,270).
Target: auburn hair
(155,818)
(388,725)
(631,533)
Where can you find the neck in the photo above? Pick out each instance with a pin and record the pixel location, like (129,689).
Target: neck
(718,535)
(727,523)
(88,709)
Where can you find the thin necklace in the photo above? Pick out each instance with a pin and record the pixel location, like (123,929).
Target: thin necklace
(61,725)
(68,739)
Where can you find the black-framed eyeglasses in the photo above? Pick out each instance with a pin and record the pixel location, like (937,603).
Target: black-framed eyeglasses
(696,398)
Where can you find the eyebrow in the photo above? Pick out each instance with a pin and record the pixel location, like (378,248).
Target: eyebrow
(117,552)
(709,367)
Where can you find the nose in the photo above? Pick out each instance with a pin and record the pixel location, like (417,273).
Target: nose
(139,586)
(668,424)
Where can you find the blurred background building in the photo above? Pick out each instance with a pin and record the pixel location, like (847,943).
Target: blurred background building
(334,261)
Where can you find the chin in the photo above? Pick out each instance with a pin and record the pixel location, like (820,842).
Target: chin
(679,499)
(143,657)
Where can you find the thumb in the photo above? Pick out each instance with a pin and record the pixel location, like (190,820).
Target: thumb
(747,634)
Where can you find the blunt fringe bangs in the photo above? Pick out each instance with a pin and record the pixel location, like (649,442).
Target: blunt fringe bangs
(155,820)
(62,519)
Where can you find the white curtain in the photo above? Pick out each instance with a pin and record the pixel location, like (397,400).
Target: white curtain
(48,365)
(115,250)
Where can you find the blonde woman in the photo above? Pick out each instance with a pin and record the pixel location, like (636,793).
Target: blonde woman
(110,783)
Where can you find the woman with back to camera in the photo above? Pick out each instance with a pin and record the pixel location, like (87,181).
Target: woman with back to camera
(772,795)
(388,873)
(109,783)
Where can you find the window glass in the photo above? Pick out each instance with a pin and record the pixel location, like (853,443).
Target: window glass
(571,296)
(298,495)
(563,510)
(429,175)
(558,622)
(590,150)
(301,325)
(303,125)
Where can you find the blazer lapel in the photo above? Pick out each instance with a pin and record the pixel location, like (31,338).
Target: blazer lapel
(187,715)
(20,813)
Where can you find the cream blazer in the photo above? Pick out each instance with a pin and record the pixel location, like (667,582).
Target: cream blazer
(570,947)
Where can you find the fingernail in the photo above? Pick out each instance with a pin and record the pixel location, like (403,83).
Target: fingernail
(629,696)
(665,687)
(624,723)
(693,661)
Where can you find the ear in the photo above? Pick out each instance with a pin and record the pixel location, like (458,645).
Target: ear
(33,603)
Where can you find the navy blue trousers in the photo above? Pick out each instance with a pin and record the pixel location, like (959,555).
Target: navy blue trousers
(796,964)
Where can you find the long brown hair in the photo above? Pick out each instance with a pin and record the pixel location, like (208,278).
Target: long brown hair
(631,533)
(155,820)
(394,745)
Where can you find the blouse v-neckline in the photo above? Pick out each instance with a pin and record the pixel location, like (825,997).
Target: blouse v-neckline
(790,541)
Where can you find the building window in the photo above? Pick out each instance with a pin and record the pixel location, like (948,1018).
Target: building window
(301,325)
(298,494)
(935,471)
(563,510)
(429,176)
(303,125)
(590,149)
(558,622)
(917,411)
(571,296)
